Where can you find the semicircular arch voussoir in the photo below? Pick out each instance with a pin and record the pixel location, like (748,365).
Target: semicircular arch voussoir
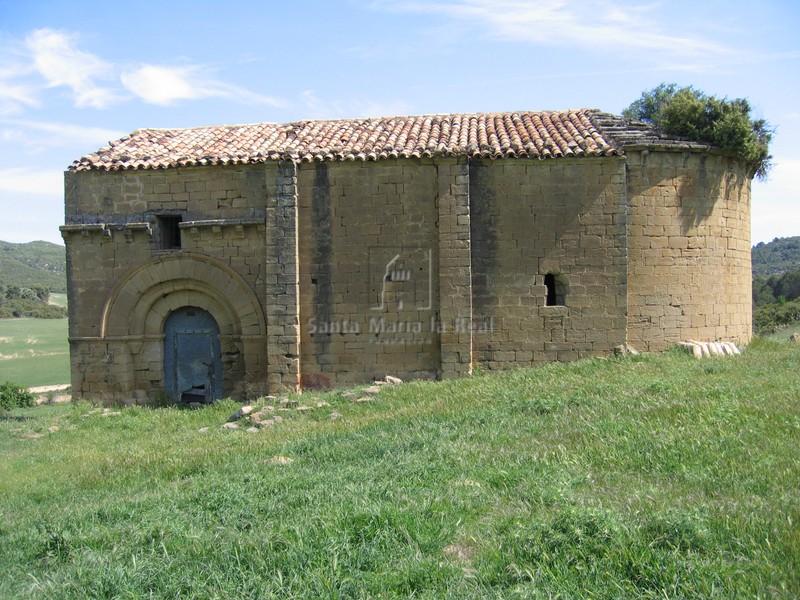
(142,299)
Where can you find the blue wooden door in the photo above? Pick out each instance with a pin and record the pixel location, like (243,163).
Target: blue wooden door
(192,358)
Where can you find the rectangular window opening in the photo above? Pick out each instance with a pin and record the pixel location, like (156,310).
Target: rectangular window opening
(169,232)
(556,286)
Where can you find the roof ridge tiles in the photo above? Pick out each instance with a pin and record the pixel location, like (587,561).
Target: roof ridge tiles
(532,134)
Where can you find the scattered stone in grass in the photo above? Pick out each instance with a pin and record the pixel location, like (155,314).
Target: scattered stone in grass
(110,413)
(363,399)
(349,395)
(52,428)
(304,408)
(286,403)
(230,426)
(322,404)
(265,423)
(372,390)
(460,552)
(625,349)
(277,418)
(203,429)
(242,412)
(795,337)
(262,414)
(281,460)
(336,415)
(252,429)
(469,483)
(703,349)
(393,380)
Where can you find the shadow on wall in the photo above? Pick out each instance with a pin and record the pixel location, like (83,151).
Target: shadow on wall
(698,193)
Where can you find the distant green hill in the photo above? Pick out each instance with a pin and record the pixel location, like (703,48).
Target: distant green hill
(34,263)
(778,256)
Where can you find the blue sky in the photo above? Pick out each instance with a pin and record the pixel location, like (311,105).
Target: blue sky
(75,75)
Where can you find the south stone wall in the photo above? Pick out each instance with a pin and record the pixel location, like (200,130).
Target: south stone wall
(369,271)
(689,271)
(530,218)
(332,273)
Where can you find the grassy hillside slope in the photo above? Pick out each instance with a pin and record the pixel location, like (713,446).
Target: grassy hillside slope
(639,477)
(778,256)
(34,263)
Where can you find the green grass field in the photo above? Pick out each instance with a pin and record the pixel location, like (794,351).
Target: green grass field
(59,300)
(632,477)
(34,352)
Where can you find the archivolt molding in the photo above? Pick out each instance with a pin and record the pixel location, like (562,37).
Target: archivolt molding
(144,297)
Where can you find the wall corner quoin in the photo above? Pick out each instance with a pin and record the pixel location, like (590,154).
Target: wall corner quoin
(455,265)
(70,194)
(283,280)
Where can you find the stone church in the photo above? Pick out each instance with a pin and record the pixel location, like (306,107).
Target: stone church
(251,259)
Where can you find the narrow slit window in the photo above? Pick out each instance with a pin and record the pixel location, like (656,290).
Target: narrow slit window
(556,290)
(169,232)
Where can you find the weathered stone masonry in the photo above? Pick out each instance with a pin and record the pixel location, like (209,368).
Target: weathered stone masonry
(323,263)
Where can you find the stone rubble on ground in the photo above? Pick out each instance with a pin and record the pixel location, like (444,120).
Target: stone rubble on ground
(242,412)
(704,349)
(253,418)
(624,349)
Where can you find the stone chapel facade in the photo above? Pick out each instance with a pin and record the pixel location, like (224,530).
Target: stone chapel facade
(245,260)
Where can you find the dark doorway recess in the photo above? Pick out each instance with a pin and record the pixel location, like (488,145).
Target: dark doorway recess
(192,357)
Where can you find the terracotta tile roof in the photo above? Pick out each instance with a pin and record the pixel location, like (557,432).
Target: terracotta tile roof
(575,133)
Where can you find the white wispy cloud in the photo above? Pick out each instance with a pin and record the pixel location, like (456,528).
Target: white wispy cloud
(14,96)
(39,134)
(604,25)
(48,58)
(20,180)
(14,93)
(165,85)
(60,63)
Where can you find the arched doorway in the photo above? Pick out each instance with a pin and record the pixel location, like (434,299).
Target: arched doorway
(192,357)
